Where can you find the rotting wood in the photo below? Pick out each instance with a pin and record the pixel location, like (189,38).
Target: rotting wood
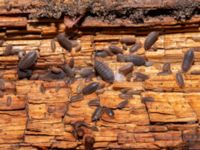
(31,118)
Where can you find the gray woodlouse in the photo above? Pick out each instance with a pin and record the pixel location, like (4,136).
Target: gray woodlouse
(86,72)
(180,80)
(90,88)
(64,42)
(188,60)
(135,47)
(135,59)
(127,40)
(104,71)
(102,53)
(28,60)
(151,38)
(68,70)
(97,113)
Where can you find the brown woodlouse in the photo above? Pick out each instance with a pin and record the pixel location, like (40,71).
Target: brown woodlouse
(89,142)
(76,98)
(115,49)
(90,88)
(28,60)
(151,38)
(122,104)
(104,71)
(140,76)
(125,96)
(64,42)
(126,69)
(2,84)
(71,62)
(127,40)
(188,60)
(135,47)
(147,99)
(94,102)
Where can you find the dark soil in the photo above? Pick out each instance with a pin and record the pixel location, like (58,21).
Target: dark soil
(109,10)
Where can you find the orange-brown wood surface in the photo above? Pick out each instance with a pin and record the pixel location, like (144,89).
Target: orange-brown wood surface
(32,118)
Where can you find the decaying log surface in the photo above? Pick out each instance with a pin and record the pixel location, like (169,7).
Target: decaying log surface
(33,118)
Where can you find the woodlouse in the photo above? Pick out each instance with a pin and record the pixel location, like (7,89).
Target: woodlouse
(76,98)
(120,58)
(180,80)
(71,62)
(89,142)
(64,42)
(122,104)
(126,69)
(195,72)
(28,60)
(56,70)
(188,60)
(2,84)
(166,69)
(24,73)
(135,47)
(109,112)
(90,88)
(97,113)
(102,53)
(125,96)
(94,102)
(127,40)
(147,99)
(68,70)
(151,38)
(115,49)
(104,71)
(140,76)
(86,72)
(135,59)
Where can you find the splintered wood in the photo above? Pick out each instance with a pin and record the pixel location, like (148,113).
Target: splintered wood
(38,114)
